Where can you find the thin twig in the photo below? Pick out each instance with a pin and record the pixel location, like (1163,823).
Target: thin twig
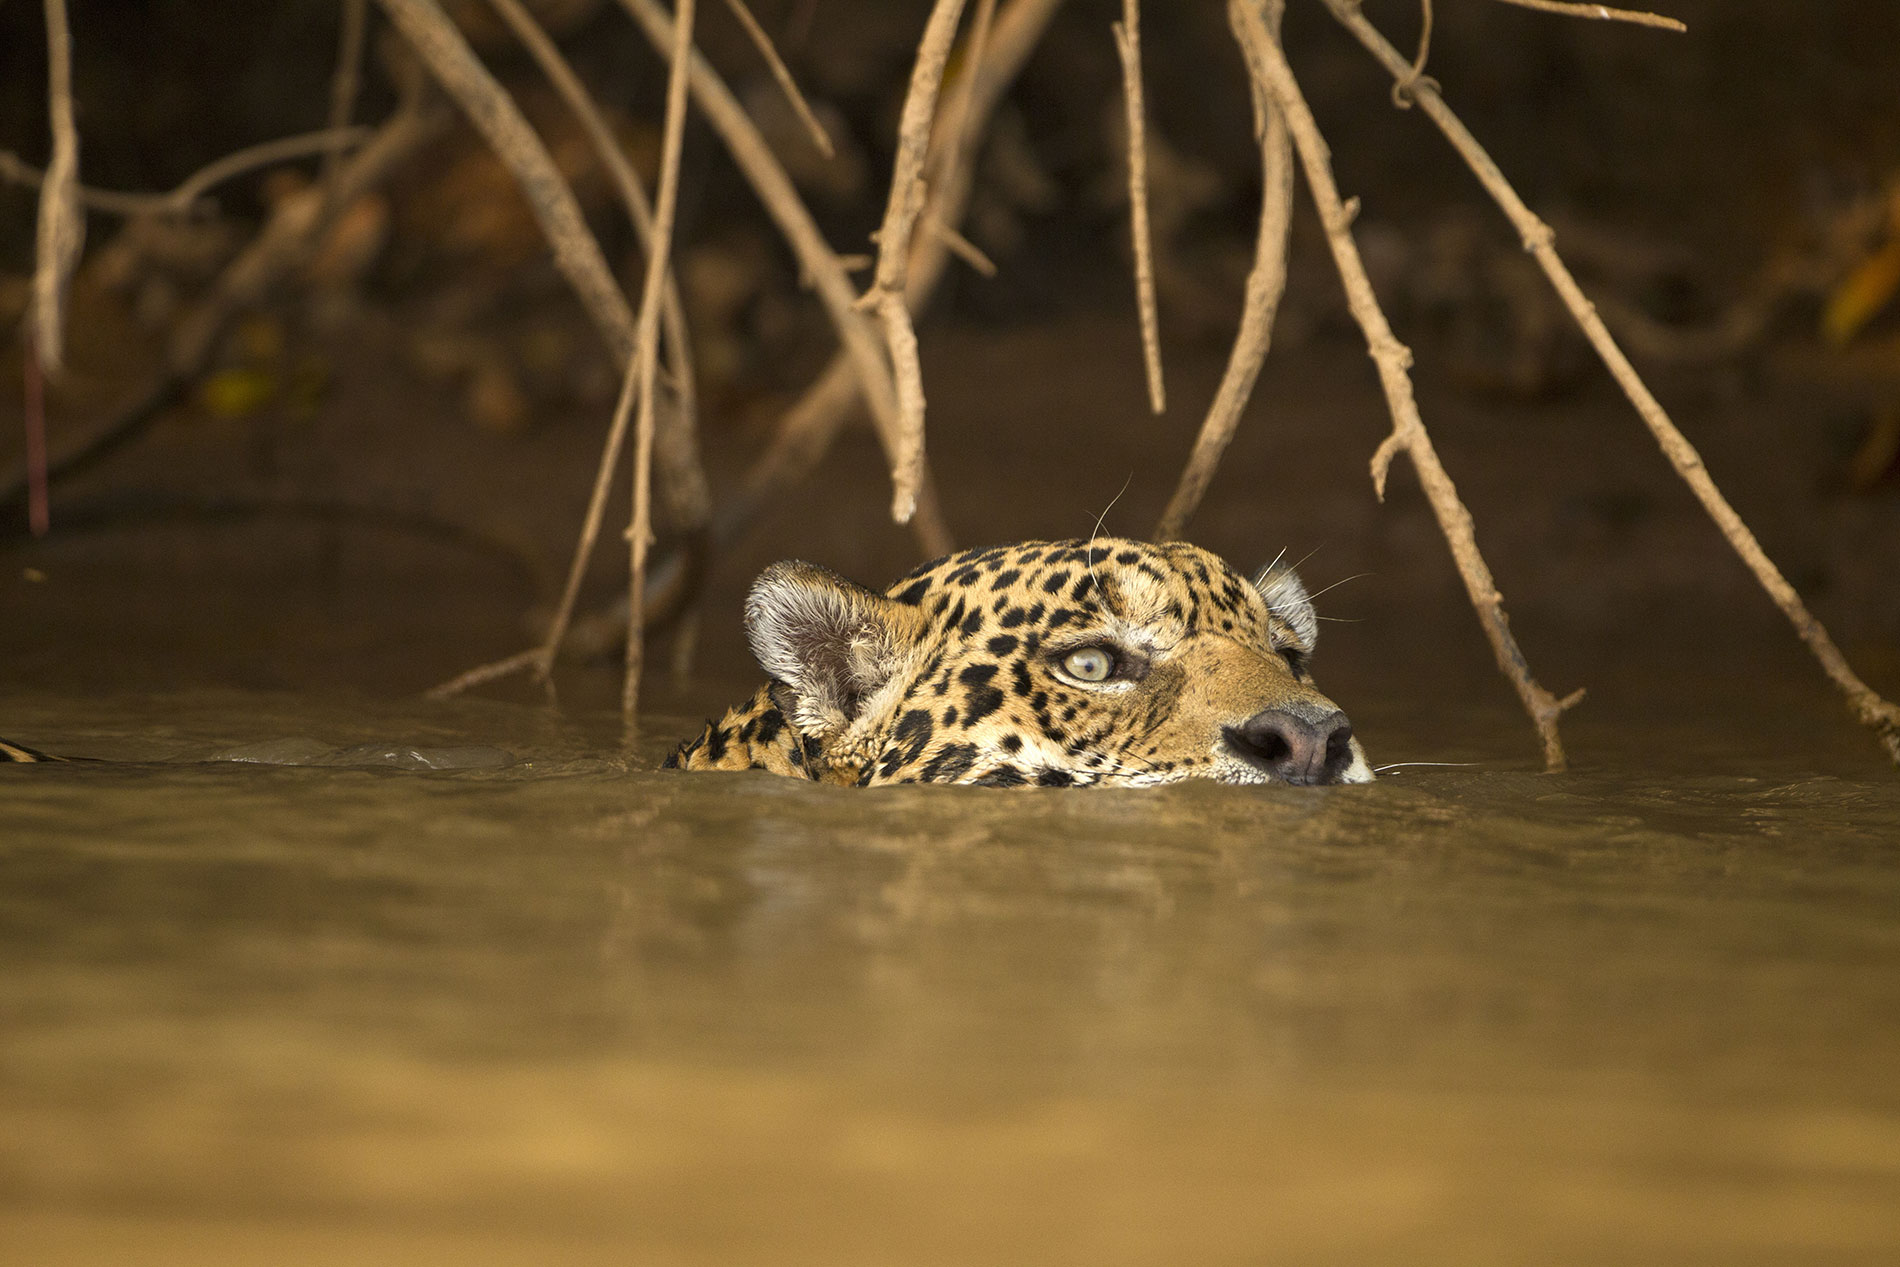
(906,203)
(327,142)
(1402,90)
(681,476)
(1266,283)
(786,83)
(62,229)
(186,197)
(1392,359)
(640,531)
(346,81)
(481,674)
(1128,47)
(817,261)
(963,248)
(1601,12)
(1872,711)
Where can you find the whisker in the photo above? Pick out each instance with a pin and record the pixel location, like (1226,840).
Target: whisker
(1336,584)
(1381,769)
(1101,518)
(1088,551)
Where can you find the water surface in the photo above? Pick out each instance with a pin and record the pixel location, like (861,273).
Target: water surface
(570,1009)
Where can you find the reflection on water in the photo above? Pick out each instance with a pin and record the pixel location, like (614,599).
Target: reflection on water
(564,1011)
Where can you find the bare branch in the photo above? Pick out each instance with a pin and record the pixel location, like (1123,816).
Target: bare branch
(1872,711)
(62,229)
(1128,47)
(185,199)
(1393,359)
(1600,12)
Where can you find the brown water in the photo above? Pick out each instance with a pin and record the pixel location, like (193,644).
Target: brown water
(564,1012)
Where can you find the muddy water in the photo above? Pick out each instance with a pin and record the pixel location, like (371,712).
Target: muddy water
(563,1011)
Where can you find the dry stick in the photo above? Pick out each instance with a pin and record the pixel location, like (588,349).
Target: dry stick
(347,80)
(1872,711)
(1266,283)
(1600,12)
(185,198)
(640,531)
(683,479)
(817,261)
(1402,90)
(786,83)
(62,230)
(964,249)
(1128,46)
(1393,358)
(886,295)
(292,232)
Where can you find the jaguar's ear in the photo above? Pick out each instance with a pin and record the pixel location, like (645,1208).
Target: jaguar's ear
(1286,598)
(833,642)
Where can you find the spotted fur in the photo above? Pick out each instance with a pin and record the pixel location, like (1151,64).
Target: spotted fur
(964,671)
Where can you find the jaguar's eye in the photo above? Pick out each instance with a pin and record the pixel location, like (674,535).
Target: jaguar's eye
(1090,664)
(1295,660)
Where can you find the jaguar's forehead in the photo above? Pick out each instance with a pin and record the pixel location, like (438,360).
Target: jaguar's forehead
(1167,589)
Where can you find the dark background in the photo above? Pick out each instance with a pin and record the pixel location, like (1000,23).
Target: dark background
(379,483)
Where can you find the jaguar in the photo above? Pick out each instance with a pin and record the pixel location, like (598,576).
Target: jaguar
(1100,662)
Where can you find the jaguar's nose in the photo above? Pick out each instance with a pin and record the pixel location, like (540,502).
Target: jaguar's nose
(1292,748)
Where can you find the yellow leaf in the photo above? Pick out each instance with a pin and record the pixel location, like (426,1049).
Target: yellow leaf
(237,393)
(1866,290)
